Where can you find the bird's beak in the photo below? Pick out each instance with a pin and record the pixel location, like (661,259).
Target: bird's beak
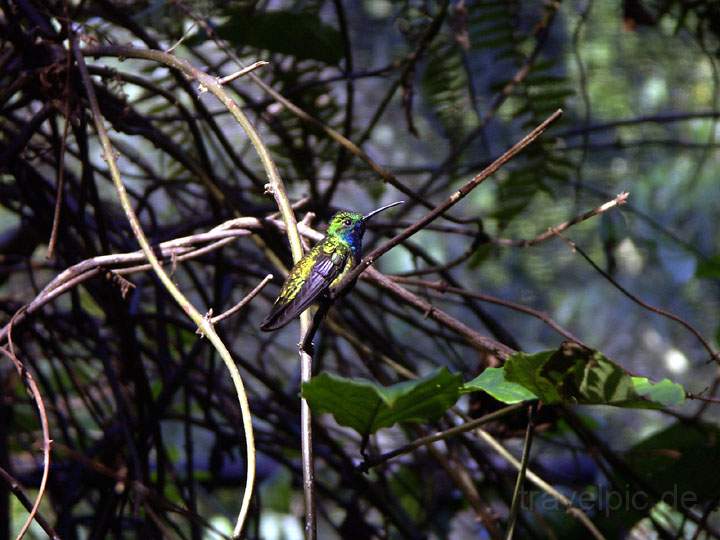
(371,214)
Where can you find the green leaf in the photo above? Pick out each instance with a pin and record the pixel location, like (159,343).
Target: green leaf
(524,369)
(444,86)
(302,35)
(708,268)
(665,392)
(517,191)
(493,381)
(366,406)
(574,374)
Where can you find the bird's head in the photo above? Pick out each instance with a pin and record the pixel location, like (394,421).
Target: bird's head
(350,226)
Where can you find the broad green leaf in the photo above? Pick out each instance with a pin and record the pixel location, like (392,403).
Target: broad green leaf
(524,369)
(493,381)
(366,406)
(574,374)
(665,392)
(302,35)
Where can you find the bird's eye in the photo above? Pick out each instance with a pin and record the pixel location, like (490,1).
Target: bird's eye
(347,222)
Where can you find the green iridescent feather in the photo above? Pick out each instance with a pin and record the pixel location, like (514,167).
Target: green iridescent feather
(321,269)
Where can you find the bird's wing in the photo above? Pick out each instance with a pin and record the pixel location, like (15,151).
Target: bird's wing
(297,294)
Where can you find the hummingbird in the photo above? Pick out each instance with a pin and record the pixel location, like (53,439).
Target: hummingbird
(322,268)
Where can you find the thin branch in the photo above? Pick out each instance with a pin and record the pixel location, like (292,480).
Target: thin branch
(461,477)
(178,249)
(17,490)
(574,511)
(517,493)
(444,287)
(367,350)
(308,463)
(665,118)
(554,231)
(369,463)
(60,164)
(714,356)
(706,399)
(243,71)
(448,203)
(184,303)
(584,92)
(493,349)
(47,442)
(242,303)
(182,38)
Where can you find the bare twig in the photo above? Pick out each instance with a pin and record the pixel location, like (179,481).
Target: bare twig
(517,493)
(448,203)
(463,480)
(61,167)
(444,287)
(714,356)
(245,301)
(665,118)
(706,399)
(182,38)
(574,511)
(19,493)
(440,436)
(47,442)
(492,348)
(243,71)
(180,249)
(556,230)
